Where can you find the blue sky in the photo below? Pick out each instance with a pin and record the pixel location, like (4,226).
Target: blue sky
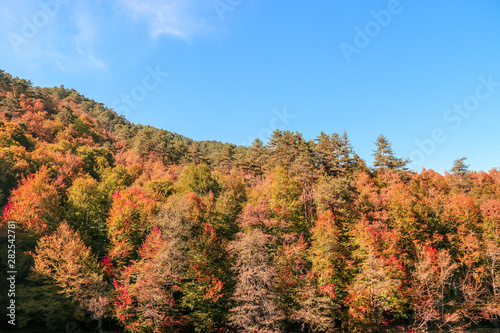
(424,74)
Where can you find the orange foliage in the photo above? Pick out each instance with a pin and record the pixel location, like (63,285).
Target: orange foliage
(461,209)
(130,219)
(31,105)
(39,125)
(35,204)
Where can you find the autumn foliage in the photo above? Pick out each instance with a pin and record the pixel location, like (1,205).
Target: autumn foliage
(134,228)
(35,203)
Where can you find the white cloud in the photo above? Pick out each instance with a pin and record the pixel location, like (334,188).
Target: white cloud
(85,40)
(79,54)
(63,34)
(178,18)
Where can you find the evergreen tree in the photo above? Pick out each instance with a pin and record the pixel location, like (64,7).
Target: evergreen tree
(194,155)
(460,178)
(335,154)
(224,158)
(459,167)
(384,156)
(284,148)
(255,158)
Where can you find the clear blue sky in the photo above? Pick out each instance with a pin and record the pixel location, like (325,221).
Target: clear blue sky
(406,69)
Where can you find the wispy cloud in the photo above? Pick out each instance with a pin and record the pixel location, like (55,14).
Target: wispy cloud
(64,35)
(178,18)
(85,40)
(81,54)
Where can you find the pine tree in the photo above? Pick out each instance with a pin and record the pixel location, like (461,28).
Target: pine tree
(224,158)
(460,176)
(335,154)
(194,155)
(285,147)
(384,156)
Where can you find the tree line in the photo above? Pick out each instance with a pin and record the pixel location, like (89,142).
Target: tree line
(129,226)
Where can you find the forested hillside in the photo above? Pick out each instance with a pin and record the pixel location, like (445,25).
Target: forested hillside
(124,226)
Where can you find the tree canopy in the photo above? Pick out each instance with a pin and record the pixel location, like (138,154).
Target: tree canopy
(129,227)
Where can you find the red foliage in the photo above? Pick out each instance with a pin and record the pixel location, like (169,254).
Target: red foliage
(210,231)
(328,290)
(152,245)
(430,252)
(108,266)
(256,215)
(144,302)
(130,219)
(197,207)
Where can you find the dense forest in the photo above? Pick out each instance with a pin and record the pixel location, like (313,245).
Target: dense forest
(129,227)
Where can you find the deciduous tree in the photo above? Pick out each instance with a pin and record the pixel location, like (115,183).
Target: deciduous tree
(63,257)
(255,301)
(35,204)
(130,220)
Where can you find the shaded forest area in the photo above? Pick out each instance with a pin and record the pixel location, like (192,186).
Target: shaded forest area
(128,226)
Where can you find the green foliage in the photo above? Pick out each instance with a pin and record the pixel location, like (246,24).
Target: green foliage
(207,282)
(286,147)
(226,211)
(87,210)
(224,158)
(162,188)
(334,194)
(228,205)
(335,154)
(13,134)
(41,302)
(460,176)
(197,179)
(117,178)
(384,157)
(284,200)
(84,128)
(254,159)
(95,160)
(459,167)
